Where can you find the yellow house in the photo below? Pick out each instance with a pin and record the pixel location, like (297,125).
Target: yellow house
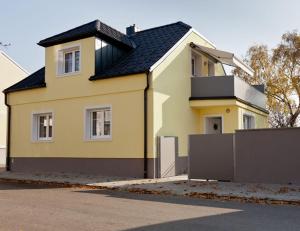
(107,102)
(10,73)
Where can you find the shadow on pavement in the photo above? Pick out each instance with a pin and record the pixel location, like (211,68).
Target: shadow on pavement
(176,199)
(11,185)
(237,221)
(244,217)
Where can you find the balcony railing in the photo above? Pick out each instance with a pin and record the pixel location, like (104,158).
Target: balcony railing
(226,87)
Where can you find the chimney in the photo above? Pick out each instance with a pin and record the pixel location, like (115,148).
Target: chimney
(131,30)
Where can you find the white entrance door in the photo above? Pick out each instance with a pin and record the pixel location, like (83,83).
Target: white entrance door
(213,125)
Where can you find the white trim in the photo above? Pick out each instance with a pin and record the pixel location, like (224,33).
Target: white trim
(157,63)
(34,129)
(62,51)
(86,122)
(211,116)
(203,37)
(13,61)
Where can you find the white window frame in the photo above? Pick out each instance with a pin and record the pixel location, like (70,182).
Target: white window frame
(197,57)
(61,60)
(88,123)
(205,117)
(35,132)
(252,120)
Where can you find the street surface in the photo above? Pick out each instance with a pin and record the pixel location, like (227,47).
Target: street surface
(37,207)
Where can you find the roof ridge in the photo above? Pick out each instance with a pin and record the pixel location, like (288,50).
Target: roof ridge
(99,29)
(75,28)
(167,25)
(93,28)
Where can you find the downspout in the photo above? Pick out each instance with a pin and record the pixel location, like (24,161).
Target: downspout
(146,126)
(8,163)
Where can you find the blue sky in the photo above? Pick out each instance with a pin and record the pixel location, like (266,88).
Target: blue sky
(232,25)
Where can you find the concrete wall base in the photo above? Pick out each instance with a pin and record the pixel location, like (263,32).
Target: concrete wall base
(124,167)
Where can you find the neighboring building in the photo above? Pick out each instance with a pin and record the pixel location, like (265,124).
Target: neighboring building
(103,99)
(10,73)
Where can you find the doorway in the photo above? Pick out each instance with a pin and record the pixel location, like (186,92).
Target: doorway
(213,125)
(167,150)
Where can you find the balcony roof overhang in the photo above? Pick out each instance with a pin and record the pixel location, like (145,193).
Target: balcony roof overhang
(206,102)
(224,57)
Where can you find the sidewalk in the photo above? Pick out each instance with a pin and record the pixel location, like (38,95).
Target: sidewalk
(178,186)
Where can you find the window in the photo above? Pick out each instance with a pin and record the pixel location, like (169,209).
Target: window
(211,68)
(193,66)
(98,123)
(248,121)
(196,64)
(69,60)
(42,126)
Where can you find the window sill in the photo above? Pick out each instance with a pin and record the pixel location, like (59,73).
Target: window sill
(97,139)
(68,74)
(43,141)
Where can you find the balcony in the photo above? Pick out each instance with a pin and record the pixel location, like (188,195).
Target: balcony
(228,87)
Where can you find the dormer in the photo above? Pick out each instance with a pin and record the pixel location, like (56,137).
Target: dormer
(86,50)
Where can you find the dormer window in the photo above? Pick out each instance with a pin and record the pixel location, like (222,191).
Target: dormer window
(69,61)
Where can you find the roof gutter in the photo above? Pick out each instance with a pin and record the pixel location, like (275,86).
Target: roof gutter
(8,162)
(146,125)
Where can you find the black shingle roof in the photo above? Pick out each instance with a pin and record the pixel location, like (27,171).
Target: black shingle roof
(94,28)
(150,46)
(35,80)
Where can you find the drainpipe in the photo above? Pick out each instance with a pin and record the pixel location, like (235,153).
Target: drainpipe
(8,167)
(146,126)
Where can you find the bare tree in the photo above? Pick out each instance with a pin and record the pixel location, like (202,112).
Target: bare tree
(279,70)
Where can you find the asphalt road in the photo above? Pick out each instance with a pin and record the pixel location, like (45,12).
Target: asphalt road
(32,207)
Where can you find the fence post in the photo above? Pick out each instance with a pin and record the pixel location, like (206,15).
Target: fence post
(234,156)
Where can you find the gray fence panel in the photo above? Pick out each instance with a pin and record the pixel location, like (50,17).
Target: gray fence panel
(211,157)
(268,156)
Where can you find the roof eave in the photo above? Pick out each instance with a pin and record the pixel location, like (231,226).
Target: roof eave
(95,77)
(23,89)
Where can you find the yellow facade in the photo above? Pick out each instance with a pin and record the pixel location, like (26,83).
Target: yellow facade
(169,111)
(173,114)
(68,97)
(68,134)
(10,73)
